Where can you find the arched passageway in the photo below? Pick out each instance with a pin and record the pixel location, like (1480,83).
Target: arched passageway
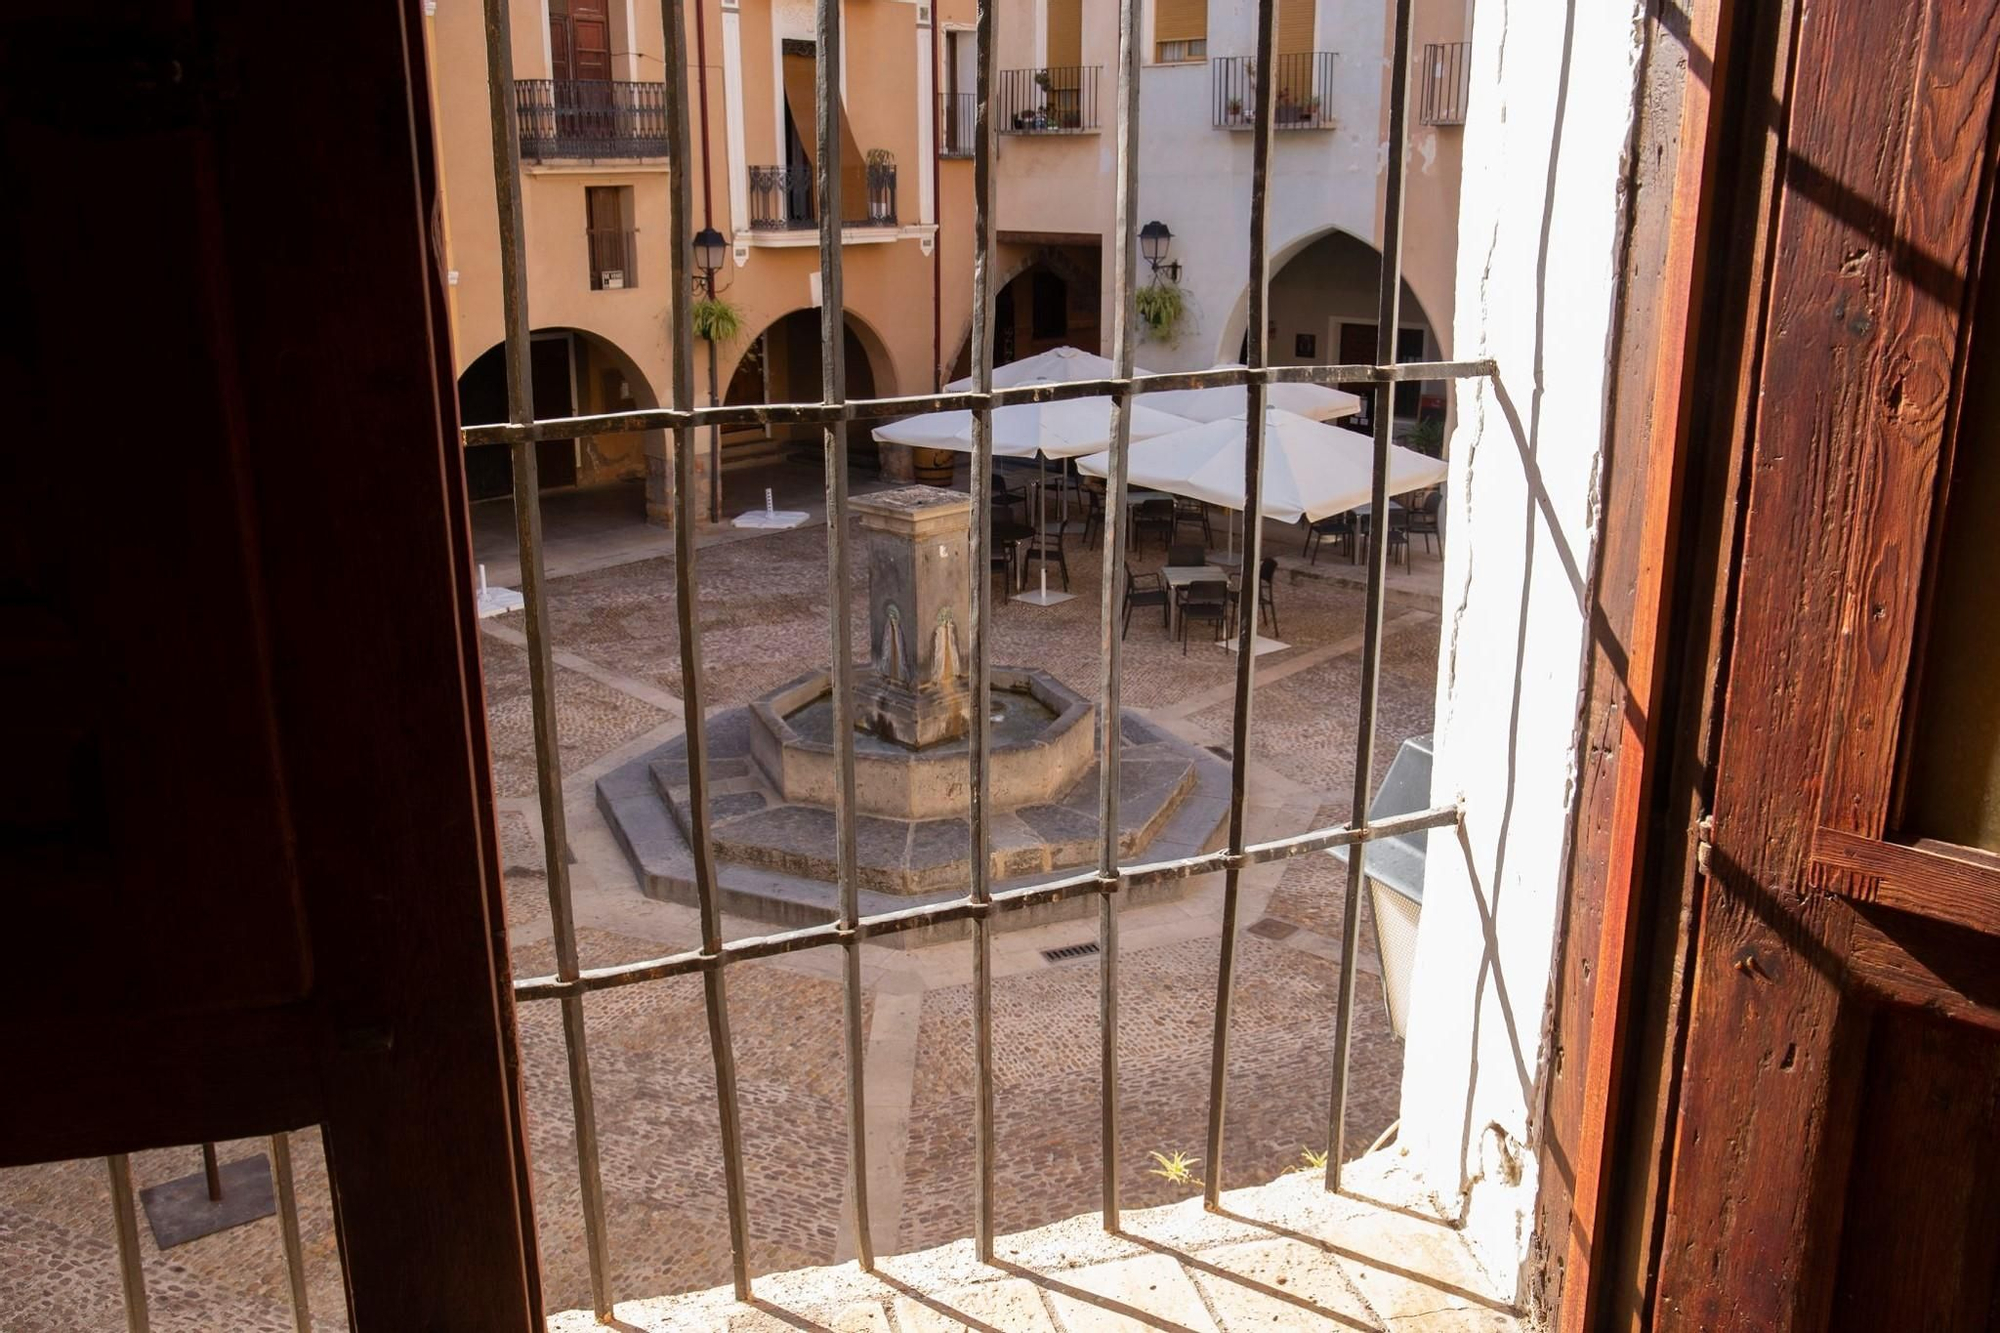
(574,373)
(1052,300)
(783,365)
(1324,311)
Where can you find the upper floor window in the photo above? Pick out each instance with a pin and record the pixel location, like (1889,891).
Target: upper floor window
(1180,31)
(609,236)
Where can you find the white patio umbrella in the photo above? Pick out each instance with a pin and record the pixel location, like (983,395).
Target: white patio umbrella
(1058,365)
(1063,429)
(1229,400)
(1311,470)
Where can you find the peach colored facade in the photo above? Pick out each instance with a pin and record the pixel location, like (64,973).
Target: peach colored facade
(619,334)
(908,264)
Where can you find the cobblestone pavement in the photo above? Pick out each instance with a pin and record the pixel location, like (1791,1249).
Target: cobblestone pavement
(764,622)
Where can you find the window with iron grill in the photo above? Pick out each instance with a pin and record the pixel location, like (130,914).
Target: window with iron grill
(1382,379)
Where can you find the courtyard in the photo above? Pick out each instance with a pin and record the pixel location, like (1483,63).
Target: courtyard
(618,688)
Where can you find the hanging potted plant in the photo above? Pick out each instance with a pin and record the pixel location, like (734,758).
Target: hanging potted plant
(1162,306)
(714,319)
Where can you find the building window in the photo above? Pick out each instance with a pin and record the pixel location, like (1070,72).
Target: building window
(1180,31)
(609,236)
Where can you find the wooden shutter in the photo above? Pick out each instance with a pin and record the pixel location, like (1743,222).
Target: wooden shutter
(1180,21)
(1295,27)
(1065,49)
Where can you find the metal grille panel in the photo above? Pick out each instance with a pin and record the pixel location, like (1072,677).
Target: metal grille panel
(994,108)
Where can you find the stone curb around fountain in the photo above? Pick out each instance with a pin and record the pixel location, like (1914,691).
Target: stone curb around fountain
(656,846)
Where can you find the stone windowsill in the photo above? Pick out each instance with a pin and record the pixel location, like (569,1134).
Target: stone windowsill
(1286,1255)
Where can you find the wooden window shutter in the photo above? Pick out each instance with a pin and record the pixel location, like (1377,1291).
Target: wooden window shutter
(1065,48)
(1180,21)
(1295,26)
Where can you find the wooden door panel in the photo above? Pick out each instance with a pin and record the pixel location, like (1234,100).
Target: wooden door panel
(1883,182)
(1920,1249)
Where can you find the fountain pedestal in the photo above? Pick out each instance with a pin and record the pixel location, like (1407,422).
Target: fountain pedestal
(919,610)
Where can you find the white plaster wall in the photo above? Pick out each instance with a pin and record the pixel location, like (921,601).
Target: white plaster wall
(1539,216)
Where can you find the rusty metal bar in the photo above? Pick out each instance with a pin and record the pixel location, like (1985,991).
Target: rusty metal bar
(833,388)
(1389,299)
(288,1230)
(869,409)
(964,909)
(687,609)
(534,595)
(1110,730)
(981,891)
(125,1223)
(1257,346)
(212,1171)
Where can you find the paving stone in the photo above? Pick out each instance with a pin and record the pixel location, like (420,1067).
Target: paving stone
(1129,1296)
(763,612)
(1010,1306)
(1405,1266)
(1277,1284)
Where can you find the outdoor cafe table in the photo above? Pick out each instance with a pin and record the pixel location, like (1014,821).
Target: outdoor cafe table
(1177,577)
(1363,527)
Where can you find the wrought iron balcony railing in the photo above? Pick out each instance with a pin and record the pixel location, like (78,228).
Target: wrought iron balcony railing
(1047,101)
(956,124)
(591,118)
(1446,79)
(783,198)
(1304,86)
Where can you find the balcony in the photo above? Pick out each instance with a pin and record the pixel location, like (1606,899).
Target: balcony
(590,119)
(1446,79)
(1304,91)
(957,124)
(784,198)
(1047,101)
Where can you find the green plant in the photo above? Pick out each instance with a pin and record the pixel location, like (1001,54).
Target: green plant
(714,319)
(1310,1160)
(1427,437)
(880,157)
(1042,80)
(1162,306)
(1176,1168)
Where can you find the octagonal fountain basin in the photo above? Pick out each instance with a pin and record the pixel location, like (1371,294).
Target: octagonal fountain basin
(1041,738)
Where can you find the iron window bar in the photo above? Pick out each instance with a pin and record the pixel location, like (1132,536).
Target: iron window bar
(125,1231)
(868,409)
(570,982)
(955,124)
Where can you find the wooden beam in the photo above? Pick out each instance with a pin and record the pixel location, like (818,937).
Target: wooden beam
(1961,886)
(1625,681)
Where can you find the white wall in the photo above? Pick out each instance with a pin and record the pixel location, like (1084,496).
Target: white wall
(1539,213)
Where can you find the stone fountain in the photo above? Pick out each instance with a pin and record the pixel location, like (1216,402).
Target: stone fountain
(773,775)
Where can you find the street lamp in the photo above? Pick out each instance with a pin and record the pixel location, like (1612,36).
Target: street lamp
(709,248)
(1155,240)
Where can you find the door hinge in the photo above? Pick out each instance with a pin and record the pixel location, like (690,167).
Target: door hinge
(1704,843)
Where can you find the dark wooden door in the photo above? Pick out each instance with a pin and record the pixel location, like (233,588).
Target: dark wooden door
(579,39)
(1835,1162)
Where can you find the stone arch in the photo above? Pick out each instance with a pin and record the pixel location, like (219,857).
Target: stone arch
(576,372)
(1335,282)
(1053,258)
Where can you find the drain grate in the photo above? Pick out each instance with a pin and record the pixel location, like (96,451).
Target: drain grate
(1069,951)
